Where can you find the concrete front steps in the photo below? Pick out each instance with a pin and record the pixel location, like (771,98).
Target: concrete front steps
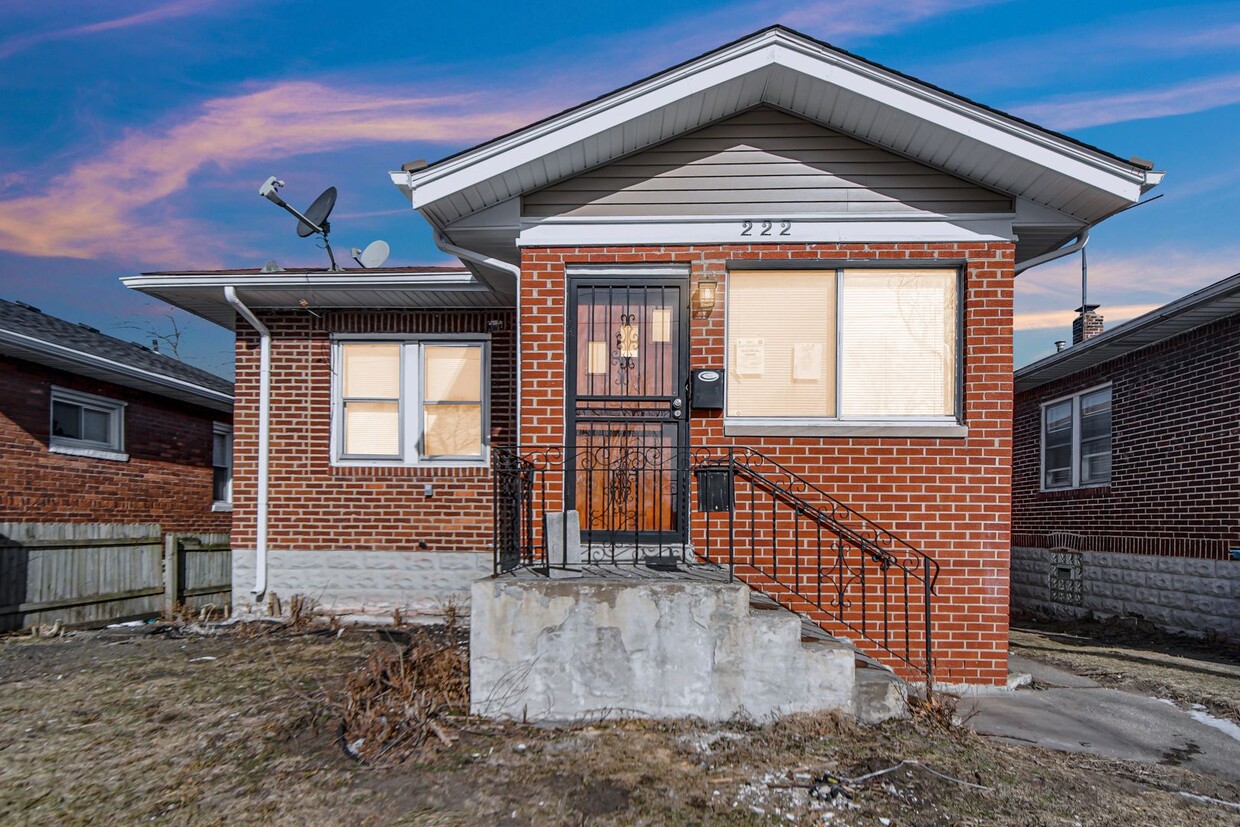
(596,646)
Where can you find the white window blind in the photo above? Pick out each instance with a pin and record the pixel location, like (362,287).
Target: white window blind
(370,390)
(452,400)
(1096,437)
(781,343)
(1057,445)
(898,343)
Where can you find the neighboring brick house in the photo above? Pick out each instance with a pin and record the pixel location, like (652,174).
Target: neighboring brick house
(832,242)
(94,429)
(1126,469)
(101,440)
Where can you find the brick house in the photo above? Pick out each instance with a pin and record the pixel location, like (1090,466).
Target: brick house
(754,309)
(95,430)
(1126,468)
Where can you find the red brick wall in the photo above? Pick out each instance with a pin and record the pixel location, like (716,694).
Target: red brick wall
(949,497)
(314,506)
(167,479)
(1175,462)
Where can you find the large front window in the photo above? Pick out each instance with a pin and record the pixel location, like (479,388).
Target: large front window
(848,344)
(407,402)
(1076,440)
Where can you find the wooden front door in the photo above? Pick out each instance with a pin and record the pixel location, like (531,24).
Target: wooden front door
(627,413)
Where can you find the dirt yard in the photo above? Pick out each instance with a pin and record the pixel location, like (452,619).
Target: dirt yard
(161,725)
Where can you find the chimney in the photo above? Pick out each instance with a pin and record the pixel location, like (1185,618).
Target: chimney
(1087,325)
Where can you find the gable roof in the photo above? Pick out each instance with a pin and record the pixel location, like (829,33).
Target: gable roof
(787,70)
(29,334)
(1209,304)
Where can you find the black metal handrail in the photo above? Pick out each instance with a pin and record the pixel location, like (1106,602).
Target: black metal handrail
(783,534)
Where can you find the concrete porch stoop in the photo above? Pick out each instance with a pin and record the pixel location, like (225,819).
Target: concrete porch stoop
(595,647)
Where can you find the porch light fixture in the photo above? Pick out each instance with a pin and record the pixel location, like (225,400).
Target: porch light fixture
(704,296)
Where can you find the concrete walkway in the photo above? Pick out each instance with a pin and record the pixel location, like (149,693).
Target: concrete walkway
(1076,715)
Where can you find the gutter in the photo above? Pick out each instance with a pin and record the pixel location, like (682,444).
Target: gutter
(264,435)
(1082,238)
(487,261)
(211,396)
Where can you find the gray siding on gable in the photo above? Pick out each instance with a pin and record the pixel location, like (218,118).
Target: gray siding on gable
(763,162)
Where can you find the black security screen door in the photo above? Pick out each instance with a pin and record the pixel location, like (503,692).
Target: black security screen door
(627,374)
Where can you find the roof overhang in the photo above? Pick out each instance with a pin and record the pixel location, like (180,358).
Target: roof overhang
(203,293)
(61,357)
(1210,304)
(1079,184)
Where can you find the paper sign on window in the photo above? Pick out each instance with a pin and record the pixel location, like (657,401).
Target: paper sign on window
(751,357)
(806,361)
(597,362)
(661,324)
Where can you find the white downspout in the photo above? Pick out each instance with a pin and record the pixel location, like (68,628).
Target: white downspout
(487,261)
(1082,239)
(264,435)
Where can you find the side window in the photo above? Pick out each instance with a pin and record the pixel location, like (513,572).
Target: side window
(222,465)
(1076,440)
(86,422)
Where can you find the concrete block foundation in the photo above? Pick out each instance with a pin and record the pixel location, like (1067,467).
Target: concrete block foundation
(369,582)
(1179,593)
(587,648)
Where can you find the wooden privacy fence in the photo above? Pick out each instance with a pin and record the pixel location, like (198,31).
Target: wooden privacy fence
(83,574)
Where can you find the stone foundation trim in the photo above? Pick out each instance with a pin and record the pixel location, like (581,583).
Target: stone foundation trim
(1180,593)
(369,582)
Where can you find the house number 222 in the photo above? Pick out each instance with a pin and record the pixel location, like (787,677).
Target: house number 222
(765,227)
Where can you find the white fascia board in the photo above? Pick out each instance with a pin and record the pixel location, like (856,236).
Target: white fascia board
(454,175)
(1009,136)
(1092,168)
(293,280)
(840,229)
(92,360)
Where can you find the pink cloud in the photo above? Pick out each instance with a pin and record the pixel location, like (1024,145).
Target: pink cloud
(167,11)
(1077,112)
(1047,319)
(107,204)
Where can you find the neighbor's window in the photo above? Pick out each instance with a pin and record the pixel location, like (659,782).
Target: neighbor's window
(406,402)
(843,344)
(84,422)
(1076,440)
(222,464)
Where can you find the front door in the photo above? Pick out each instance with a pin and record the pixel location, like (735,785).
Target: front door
(627,375)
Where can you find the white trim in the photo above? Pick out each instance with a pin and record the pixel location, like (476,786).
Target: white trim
(93,453)
(291,279)
(222,429)
(754,54)
(112,448)
(946,429)
(839,229)
(1075,399)
(101,363)
(409,418)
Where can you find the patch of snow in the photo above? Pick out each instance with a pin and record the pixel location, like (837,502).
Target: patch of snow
(128,623)
(1229,728)
(203,658)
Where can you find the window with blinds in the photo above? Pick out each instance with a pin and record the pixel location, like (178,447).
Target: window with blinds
(410,401)
(863,344)
(452,401)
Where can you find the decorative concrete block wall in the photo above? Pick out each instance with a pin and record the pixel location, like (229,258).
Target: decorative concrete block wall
(370,582)
(1180,593)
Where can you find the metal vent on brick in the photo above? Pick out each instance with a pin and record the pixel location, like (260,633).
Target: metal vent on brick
(1065,577)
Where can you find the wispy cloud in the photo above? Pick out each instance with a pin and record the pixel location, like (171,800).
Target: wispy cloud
(110,204)
(1048,319)
(1079,111)
(848,18)
(157,14)
(1159,273)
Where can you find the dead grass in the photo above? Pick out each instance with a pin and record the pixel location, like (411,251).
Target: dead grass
(139,726)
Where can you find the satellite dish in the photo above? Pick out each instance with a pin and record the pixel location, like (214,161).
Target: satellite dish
(315,220)
(374,255)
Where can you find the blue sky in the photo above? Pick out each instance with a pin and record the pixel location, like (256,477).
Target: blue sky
(136,133)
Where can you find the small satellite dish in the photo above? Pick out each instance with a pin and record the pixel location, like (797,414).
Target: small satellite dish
(316,215)
(374,255)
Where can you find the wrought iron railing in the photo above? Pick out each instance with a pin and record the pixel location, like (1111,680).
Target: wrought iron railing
(766,524)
